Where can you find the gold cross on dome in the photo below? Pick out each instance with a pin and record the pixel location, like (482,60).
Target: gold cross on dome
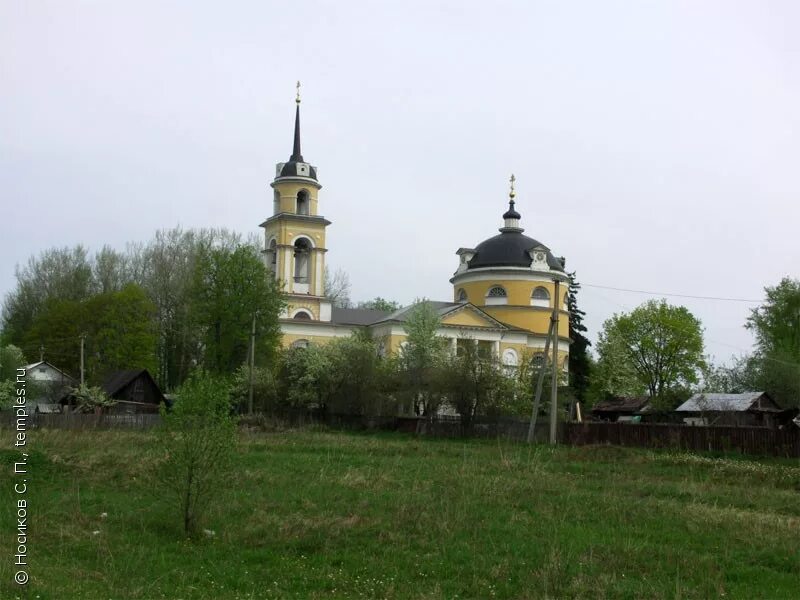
(298,93)
(511,192)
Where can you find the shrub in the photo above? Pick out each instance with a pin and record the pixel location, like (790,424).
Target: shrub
(198,436)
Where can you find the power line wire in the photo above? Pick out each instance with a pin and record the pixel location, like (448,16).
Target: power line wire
(617,289)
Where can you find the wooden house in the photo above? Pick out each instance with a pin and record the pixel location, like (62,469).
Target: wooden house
(753,409)
(134,390)
(621,409)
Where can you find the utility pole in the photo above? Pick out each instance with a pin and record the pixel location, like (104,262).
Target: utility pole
(41,353)
(554,389)
(539,383)
(252,365)
(83,340)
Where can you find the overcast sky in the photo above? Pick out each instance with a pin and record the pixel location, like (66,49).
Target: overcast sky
(656,144)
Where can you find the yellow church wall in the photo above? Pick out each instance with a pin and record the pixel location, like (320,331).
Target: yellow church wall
(287,339)
(286,231)
(310,305)
(530,318)
(519,292)
(392,342)
(288,190)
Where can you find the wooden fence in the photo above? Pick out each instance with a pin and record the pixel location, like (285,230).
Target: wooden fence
(746,440)
(81,421)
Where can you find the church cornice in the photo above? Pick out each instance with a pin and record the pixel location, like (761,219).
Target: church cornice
(296,179)
(511,273)
(285,216)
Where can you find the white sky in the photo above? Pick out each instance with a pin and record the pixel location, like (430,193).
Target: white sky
(655,144)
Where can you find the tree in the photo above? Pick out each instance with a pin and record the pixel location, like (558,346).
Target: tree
(579,360)
(304,377)
(8,394)
(354,378)
(119,332)
(337,288)
(265,393)
(198,436)
(379,303)
(230,289)
(660,343)
(614,373)
(167,267)
(58,274)
(776,325)
(422,356)
(11,358)
(742,375)
(91,399)
(474,383)
(344,376)
(110,270)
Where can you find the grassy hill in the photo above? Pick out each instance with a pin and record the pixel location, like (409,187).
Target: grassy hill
(333,515)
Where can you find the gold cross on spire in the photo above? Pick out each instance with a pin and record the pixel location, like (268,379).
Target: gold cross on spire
(298,93)
(511,192)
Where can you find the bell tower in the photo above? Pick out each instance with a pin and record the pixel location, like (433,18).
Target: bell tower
(294,236)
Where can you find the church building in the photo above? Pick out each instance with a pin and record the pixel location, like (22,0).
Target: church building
(504,288)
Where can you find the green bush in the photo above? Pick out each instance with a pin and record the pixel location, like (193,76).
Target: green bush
(198,436)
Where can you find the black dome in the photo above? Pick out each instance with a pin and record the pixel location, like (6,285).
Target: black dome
(290,170)
(509,249)
(511,213)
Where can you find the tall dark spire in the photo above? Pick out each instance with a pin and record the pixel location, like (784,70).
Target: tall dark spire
(296,166)
(297,156)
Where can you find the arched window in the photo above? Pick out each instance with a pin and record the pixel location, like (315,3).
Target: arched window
(462,295)
(302,202)
(538,360)
(300,344)
(496,295)
(272,256)
(302,256)
(540,297)
(276,202)
(302,315)
(566,300)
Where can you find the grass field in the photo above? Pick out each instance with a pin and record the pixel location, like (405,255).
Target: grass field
(334,515)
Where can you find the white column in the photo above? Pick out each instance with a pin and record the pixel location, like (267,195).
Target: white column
(496,348)
(454,345)
(319,279)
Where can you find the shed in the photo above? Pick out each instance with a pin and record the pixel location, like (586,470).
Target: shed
(621,408)
(754,409)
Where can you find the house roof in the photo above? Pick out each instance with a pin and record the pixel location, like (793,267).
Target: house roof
(443,309)
(357,316)
(119,379)
(721,402)
(622,404)
(40,363)
(402,314)
(48,409)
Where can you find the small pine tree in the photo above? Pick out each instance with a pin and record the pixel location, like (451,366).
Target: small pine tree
(579,360)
